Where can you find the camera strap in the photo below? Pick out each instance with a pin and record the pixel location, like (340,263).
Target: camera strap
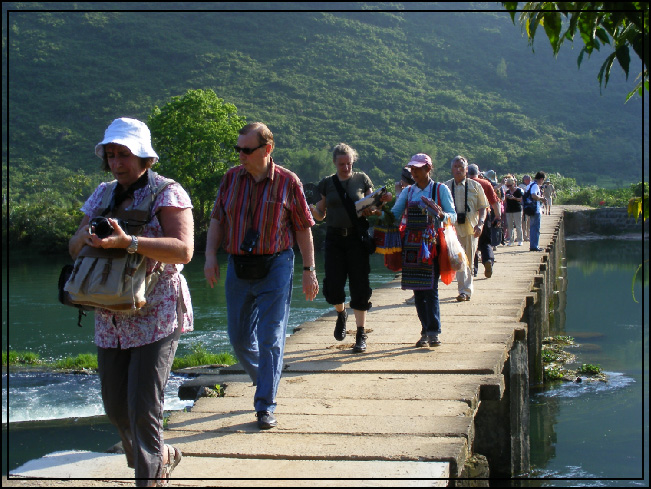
(258,203)
(466,195)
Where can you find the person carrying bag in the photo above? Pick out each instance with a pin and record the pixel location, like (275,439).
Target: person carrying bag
(428,204)
(348,244)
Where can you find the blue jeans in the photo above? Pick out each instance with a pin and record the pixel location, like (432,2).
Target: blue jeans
(258,311)
(534,231)
(427,307)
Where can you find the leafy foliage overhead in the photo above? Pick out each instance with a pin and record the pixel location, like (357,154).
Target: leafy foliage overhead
(619,24)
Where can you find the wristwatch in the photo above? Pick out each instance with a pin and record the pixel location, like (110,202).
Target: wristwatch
(309,269)
(133,247)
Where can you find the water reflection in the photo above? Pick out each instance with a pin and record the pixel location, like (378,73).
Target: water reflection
(592,433)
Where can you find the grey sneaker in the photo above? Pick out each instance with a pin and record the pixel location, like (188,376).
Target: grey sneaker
(340,327)
(434,340)
(423,341)
(266,420)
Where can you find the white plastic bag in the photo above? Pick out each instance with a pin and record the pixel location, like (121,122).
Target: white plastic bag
(458,258)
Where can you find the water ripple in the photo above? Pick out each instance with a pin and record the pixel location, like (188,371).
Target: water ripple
(614,381)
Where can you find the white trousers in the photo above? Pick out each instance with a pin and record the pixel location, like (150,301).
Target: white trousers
(464,276)
(514,223)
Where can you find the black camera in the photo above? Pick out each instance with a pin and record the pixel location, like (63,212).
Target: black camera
(101,227)
(461,217)
(250,240)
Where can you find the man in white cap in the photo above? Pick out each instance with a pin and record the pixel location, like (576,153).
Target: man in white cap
(470,203)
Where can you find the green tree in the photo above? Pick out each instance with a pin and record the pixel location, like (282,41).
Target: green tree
(622,25)
(194,136)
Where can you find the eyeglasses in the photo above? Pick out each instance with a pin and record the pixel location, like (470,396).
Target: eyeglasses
(248,151)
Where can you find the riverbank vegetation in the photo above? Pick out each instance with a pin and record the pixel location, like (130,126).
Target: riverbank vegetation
(88,361)
(557,359)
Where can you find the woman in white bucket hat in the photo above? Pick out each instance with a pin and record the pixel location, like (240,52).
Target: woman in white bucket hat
(136,348)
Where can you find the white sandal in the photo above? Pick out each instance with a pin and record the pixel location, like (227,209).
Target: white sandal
(174,456)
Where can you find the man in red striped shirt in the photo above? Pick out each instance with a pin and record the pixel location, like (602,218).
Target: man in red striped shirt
(259,214)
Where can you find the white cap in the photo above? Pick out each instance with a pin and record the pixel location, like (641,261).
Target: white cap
(131,133)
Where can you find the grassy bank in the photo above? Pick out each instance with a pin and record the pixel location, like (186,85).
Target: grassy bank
(88,361)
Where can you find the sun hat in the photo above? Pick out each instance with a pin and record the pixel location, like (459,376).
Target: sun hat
(131,133)
(420,159)
(491,176)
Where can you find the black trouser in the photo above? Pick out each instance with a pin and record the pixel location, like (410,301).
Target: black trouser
(346,258)
(484,245)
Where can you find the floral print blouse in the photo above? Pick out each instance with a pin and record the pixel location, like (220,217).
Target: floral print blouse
(169,305)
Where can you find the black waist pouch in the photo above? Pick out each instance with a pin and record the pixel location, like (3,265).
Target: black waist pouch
(253,267)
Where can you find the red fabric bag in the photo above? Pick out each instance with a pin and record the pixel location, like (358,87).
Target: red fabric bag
(393,261)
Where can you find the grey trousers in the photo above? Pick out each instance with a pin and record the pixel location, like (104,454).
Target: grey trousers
(133,383)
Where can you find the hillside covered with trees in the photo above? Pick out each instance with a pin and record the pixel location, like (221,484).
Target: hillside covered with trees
(390,82)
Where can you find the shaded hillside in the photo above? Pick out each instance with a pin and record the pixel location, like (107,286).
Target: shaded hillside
(389,83)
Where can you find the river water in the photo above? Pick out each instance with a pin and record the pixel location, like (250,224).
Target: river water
(581,434)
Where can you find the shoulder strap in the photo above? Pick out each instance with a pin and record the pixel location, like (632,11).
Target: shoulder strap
(438,195)
(346,200)
(140,215)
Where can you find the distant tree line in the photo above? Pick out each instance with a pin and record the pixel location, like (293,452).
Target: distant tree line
(197,156)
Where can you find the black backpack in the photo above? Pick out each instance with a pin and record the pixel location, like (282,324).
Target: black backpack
(529,206)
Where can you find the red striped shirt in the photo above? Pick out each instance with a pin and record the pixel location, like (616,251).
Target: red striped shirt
(275,206)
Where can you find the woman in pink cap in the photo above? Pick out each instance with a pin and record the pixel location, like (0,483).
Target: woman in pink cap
(136,348)
(428,204)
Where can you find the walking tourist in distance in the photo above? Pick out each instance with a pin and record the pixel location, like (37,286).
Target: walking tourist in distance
(136,349)
(534,221)
(526,181)
(345,254)
(259,213)
(549,192)
(470,203)
(418,273)
(484,243)
(513,211)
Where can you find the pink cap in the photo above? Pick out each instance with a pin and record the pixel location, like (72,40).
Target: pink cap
(420,159)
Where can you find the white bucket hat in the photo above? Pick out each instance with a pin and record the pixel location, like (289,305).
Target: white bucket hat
(131,133)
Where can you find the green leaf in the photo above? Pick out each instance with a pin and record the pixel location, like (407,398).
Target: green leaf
(623,57)
(605,70)
(552,24)
(602,35)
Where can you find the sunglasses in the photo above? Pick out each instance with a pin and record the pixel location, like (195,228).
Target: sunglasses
(248,151)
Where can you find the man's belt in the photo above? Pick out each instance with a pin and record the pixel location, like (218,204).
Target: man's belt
(342,231)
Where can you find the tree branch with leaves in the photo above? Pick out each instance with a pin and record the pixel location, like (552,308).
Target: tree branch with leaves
(621,25)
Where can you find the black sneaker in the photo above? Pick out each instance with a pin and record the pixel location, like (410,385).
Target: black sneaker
(340,328)
(360,341)
(266,420)
(423,341)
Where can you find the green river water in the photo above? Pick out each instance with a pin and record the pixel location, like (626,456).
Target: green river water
(581,434)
